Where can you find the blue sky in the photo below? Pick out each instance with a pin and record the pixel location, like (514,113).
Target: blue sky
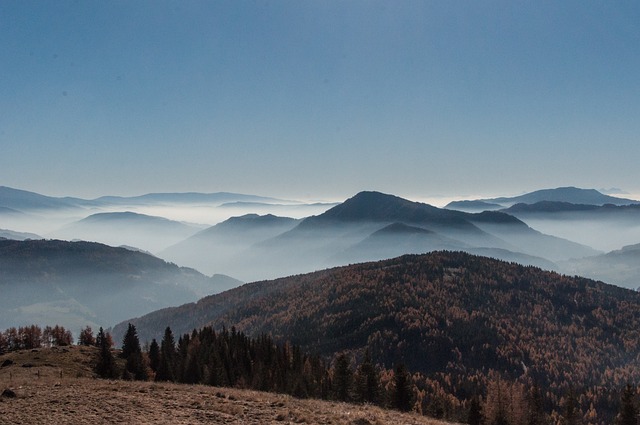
(319,99)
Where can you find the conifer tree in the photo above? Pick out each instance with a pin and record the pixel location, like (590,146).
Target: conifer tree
(628,411)
(367,380)
(342,378)
(105,368)
(130,342)
(167,365)
(474,417)
(403,391)
(154,355)
(135,367)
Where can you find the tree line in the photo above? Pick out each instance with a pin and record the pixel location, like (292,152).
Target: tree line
(33,336)
(231,359)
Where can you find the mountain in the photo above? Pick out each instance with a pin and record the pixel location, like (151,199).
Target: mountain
(127,228)
(571,195)
(185,198)
(620,267)
(473,206)
(18,236)
(23,200)
(215,248)
(81,283)
(606,227)
(358,230)
(455,318)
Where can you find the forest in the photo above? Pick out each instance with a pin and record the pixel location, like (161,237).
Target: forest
(458,322)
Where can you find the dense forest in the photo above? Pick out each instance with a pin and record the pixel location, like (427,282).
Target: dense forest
(460,324)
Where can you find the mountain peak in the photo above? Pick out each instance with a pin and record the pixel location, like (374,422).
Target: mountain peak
(377,206)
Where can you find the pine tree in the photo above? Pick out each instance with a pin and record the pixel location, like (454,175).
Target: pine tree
(130,342)
(342,378)
(403,391)
(105,368)
(167,365)
(135,367)
(367,381)
(628,410)
(474,417)
(154,355)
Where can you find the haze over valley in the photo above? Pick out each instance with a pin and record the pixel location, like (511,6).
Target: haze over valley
(254,246)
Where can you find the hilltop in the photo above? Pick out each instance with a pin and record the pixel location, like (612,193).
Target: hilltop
(58,388)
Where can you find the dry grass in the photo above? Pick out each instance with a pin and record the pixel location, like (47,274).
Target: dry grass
(58,389)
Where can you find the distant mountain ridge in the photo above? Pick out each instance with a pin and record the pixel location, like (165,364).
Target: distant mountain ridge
(150,233)
(349,232)
(85,283)
(572,195)
(20,200)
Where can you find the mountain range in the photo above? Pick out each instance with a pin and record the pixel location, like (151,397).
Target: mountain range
(368,226)
(569,194)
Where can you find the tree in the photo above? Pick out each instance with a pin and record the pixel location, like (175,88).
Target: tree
(571,412)
(474,417)
(154,355)
(536,409)
(135,367)
(167,365)
(403,390)
(86,337)
(367,381)
(628,410)
(342,378)
(496,404)
(105,368)
(130,342)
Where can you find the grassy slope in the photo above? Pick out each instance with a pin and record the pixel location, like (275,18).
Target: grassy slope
(59,388)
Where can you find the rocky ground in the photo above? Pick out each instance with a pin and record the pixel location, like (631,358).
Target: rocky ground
(48,386)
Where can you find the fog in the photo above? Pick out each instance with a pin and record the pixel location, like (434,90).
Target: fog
(599,234)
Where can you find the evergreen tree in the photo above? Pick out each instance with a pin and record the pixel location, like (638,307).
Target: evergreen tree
(167,365)
(130,342)
(628,411)
(474,417)
(105,368)
(135,367)
(367,381)
(342,379)
(154,355)
(403,391)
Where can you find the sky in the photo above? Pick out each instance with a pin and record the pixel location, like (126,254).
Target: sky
(319,100)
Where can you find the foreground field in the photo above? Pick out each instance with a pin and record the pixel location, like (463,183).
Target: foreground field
(56,387)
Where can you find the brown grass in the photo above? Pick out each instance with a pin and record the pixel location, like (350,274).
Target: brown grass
(59,388)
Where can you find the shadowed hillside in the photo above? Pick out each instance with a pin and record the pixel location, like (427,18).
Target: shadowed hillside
(83,283)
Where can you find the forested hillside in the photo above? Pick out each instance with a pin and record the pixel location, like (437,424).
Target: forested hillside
(459,322)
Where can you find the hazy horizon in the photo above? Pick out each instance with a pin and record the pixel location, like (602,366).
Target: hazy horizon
(319,100)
